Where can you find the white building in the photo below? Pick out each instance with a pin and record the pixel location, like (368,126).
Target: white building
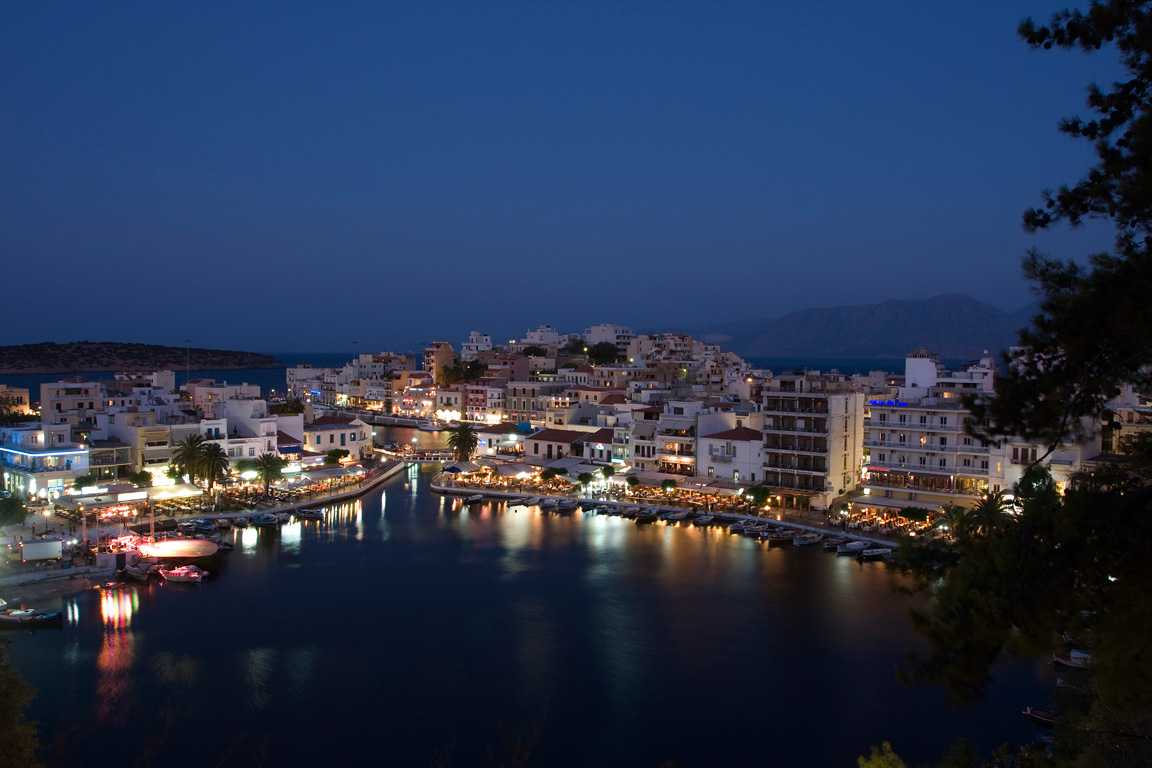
(477,343)
(40,460)
(619,335)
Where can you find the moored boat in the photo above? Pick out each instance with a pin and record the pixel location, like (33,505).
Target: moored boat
(310,514)
(647,515)
(1041,716)
(852,548)
(265,520)
(428,426)
(831,544)
(141,571)
(805,539)
(28,617)
(240,522)
(548,503)
(223,523)
(1075,659)
(474,498)
(184,574)
(531,501)
(703,520)
(565,505)
(674,516)
(874,553)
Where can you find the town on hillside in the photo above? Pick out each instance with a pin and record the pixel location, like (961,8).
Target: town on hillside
(655,406)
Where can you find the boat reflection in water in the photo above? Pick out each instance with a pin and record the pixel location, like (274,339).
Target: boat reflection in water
(117,654)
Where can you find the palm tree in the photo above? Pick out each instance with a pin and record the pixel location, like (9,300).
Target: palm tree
(268,467)
(188,454)
(989,514)
(213,463)
(463,441)
(953,518)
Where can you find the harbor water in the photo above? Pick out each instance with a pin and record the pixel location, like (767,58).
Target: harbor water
(407,627)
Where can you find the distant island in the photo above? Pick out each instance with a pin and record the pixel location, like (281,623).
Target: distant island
(50,357)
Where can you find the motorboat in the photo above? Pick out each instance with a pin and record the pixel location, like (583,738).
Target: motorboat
(310,514)
(647,516)
(184,574)
(225,546)
(852,548)
(630,512)
(530,501)
(265,520)
(427,425)
(781,535)
(28,617)
(474,498)
(240,522)
(832,543)
(1042,716)
(703,520)
(673,517)
(142,571)
(805,539)
(203,526)
(1075,659)
(565,505)
(548,503)
(874,553)
(223,523)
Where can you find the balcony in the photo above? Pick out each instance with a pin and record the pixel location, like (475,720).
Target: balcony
(790,430)
(798,470)
(672,452)
(806,450)
(720,458)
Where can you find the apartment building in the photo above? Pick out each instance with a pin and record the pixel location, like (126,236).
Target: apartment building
(477,343)
(334,432)
(619,335)
(528,401)
(437,356)
(41,460)
(75,403)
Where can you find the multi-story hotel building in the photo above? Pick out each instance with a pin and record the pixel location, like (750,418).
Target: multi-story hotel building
(918,452)
(813,425)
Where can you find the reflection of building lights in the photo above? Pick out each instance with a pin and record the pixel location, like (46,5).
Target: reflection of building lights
(117,607)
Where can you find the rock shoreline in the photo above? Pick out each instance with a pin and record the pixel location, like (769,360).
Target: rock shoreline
(52,358)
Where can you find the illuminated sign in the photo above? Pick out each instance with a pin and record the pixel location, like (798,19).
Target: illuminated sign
(132,496)
(895,403)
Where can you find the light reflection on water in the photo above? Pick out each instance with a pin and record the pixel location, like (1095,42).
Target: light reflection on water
(484,615)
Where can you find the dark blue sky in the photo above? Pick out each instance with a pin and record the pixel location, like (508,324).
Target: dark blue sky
(298,175)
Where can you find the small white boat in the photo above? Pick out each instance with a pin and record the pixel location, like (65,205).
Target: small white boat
(428,425)
(703,520)
(852,548)
(549,503)
(676,516)
(807,538)
(141,571)
(474,498)
(874,553)
(185,574)
(1075,659)
(531,501)
(565,505)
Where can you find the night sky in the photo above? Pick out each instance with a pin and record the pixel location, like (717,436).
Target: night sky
(294,176)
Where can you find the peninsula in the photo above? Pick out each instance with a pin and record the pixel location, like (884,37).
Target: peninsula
(50,357)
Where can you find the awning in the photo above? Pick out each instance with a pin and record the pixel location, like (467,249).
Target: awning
(290,449)
(730,491)
(508,443)
(462,467)
(883,502)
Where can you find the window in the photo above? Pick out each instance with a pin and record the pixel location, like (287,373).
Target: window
(984,464)
(967,462)
(923,460)
(735,475)
(711,471)
(331,439)
(967,441)
(943,463)
(317,439)
(883,457)
(342,439)
(251,451)
(902,438)
(903,418)
(943,442)
(883,417)
(943,421)
(923,419)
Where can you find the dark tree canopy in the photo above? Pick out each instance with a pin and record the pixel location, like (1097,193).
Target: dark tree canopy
(1094,329)
(603,353)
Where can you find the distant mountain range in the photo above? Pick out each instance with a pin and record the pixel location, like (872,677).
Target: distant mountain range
(952,325)
(49,357)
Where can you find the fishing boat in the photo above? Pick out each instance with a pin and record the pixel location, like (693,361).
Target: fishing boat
(874,553)
(703,520)
(737,527)
(565,505)
(1075,659)
(142,571)
(474,498)
(781,536)
(265,520)
(531,501)
(184,574)
(310,514)
(630,512)
(225,546)
(1041,716)
(203,526)
(223,523)
(805,539)
(185,526)
(647,516)
(30,617)
(852,548)
(240,522)
(548,503)
(832,543)
(674,516)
